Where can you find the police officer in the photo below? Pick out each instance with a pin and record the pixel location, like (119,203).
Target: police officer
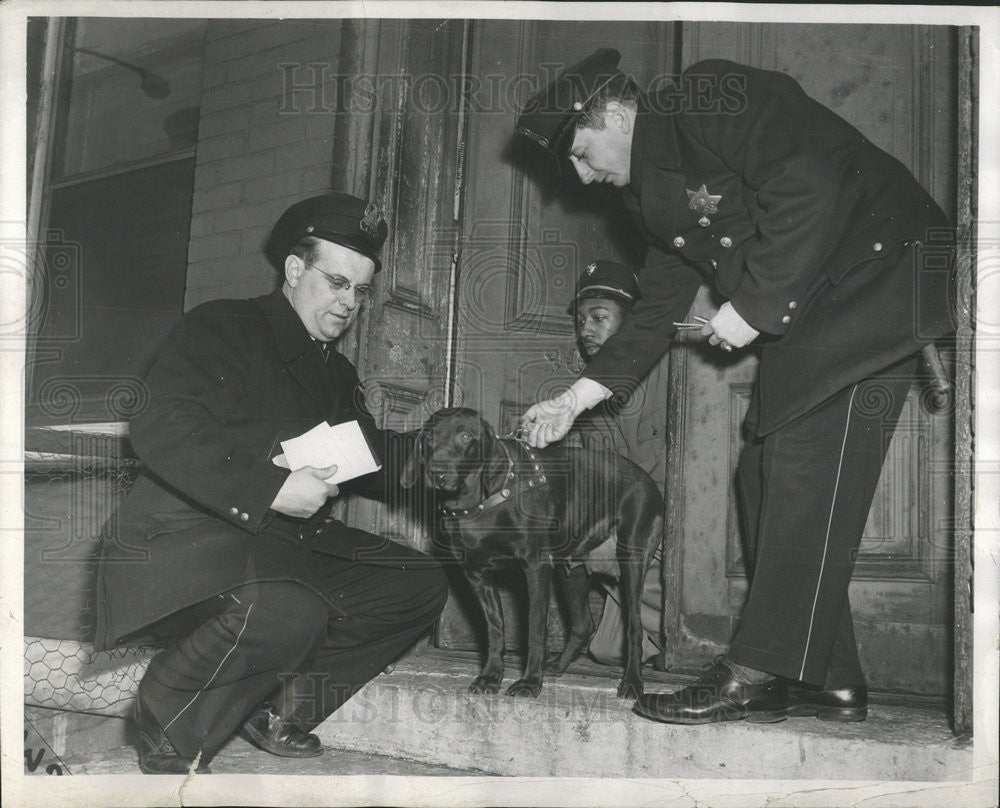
(826,250)
(636,429)
(273,613)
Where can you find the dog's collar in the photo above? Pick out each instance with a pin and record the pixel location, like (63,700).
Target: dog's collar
(511,485)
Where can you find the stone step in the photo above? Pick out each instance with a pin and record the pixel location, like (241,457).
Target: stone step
(422,712)
(577,727)
(59,742)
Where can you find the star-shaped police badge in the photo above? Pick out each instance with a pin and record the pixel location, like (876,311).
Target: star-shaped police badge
(702,201)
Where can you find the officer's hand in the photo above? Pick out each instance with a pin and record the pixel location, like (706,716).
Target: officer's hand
(305,492)
(549,421)
(729,329)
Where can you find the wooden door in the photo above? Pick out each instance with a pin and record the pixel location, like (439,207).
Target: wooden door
(526,233)
(400,142)
(896,84)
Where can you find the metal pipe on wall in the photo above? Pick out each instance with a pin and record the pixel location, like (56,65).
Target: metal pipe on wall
(45,123)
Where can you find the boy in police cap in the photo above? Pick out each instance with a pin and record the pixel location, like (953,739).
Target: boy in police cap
(835,262)
(636,429)
(274,614)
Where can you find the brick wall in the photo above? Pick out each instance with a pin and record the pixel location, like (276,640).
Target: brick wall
(258,151)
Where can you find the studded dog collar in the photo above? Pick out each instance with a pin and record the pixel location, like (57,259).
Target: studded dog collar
(512,484)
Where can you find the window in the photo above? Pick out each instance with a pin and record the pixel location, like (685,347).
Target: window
(110,283)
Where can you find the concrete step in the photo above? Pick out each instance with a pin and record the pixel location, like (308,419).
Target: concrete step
(421,714)
(578,728)
(60,742)
(240,757)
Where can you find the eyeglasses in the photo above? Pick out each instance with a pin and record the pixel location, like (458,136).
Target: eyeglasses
(340,284)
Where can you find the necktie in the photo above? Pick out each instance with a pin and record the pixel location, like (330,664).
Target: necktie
(324,348)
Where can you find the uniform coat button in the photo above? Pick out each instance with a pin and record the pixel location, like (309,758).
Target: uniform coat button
(786,319)
(245,517)
(704,221)
(877,246)
(725,241)
(234,511)
(679,242)
(792,305)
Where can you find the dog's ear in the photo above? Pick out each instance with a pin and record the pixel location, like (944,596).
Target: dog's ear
(495,460)
(415,462)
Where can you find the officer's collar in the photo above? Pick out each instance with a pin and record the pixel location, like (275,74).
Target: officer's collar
(655,139)
(636,154)
(290,335)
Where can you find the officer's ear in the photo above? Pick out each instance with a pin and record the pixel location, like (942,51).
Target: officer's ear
(294,267)
(616,114)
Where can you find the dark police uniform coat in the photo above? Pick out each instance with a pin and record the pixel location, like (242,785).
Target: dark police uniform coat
(821,241)
(235,379)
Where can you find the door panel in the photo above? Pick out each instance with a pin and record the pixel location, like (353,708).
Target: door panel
(402,147)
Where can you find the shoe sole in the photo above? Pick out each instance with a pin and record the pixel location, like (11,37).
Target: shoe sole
(716,718)
(835,714)
(261,743)
(145,769)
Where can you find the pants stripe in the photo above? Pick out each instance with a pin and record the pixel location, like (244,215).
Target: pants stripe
(829,524)
(229,653)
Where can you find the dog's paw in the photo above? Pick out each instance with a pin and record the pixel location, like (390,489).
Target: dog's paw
(629,690)
(485,684)
(525,687)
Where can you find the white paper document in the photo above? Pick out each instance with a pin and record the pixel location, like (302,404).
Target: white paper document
(344,446)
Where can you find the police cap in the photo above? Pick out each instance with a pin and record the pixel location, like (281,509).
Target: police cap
(341,218)
(549,118)
(606,279)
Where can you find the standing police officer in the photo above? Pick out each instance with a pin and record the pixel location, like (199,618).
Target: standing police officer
(273,613)
(826,250)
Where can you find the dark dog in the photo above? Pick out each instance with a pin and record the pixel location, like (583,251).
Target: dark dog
(549,509)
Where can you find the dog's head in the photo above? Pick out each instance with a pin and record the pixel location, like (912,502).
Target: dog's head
(455,453)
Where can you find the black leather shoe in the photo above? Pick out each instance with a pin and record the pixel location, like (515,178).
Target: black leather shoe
(266,730)
(840,704)
(156,754)
(717,696)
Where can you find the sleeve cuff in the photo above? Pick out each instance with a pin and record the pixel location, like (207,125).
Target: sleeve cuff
(758,318)
(586,393)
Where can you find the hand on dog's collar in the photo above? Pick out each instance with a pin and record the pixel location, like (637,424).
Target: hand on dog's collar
(510,485)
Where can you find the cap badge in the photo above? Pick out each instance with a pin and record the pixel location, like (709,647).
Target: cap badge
(371,219)
(591,269)
(702,201)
